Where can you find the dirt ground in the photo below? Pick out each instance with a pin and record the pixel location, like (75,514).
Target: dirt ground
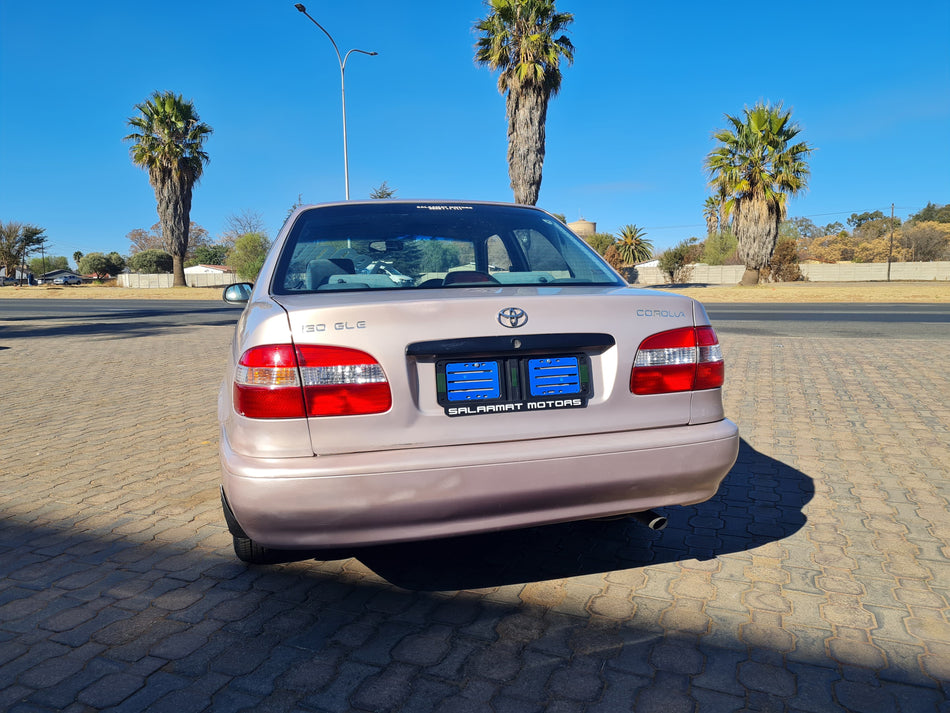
(788,292)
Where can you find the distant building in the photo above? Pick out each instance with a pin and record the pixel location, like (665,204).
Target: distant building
(17,277)
(47,277)
(583,228)
(208,270)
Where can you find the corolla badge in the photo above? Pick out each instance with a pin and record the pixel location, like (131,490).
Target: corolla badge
(512,317)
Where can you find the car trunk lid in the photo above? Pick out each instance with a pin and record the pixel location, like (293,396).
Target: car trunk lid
(494,364)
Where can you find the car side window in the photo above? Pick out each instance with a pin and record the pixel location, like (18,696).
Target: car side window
(541,254)
(498,258)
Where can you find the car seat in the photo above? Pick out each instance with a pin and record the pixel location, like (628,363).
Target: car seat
(319,271)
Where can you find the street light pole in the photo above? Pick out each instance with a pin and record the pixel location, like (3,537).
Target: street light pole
(342,61)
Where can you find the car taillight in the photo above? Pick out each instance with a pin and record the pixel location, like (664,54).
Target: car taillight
(687,359)
(267,383)
(342,382)
(279,381)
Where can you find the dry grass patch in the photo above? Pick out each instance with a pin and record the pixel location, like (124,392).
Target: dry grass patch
(791,292)
(788,292)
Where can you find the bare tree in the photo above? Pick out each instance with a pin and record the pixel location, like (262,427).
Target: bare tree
(154,239)
(247,221)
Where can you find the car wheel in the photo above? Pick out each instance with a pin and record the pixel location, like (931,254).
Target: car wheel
(251,552)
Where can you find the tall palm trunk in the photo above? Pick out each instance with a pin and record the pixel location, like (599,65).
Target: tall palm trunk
(527,110)
(756,222)
(174,209)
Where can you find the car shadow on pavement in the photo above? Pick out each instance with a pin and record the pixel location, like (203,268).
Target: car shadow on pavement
(123,324)
(96,620)
(760,501)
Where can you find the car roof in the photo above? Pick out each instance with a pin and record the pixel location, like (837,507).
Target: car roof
(413,202)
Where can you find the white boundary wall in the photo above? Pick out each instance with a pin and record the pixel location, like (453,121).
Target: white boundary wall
(702,274)
(220,279)
(840,272)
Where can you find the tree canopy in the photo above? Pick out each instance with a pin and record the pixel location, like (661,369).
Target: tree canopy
(382,191)
(913,241)
(42,265)
(151,262)
(857,220)
(720,248)
(216,254)
(601,242)
(247,255)
(154,239)
(676,262)
(102,265)
(932,213)
(17,241)
(242,223)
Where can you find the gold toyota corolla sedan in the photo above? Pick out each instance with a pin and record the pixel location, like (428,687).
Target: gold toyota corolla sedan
(405,370)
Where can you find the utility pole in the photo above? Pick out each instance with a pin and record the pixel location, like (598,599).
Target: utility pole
(890,249)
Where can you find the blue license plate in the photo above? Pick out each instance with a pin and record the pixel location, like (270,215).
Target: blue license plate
(554,376)
(472,381)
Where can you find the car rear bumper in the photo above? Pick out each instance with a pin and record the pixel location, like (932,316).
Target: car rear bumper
(424,493)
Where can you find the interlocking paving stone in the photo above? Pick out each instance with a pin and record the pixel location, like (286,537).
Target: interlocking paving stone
(817,579)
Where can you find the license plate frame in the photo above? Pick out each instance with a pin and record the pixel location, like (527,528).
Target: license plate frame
(513,383)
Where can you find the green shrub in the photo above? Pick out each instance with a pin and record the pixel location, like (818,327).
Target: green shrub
(151,262)
(676,262)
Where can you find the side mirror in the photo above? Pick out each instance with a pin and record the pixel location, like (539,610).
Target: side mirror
(238,293)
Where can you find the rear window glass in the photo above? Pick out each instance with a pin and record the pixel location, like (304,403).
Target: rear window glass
(390,245)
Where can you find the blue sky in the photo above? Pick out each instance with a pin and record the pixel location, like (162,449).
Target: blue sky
(868,82)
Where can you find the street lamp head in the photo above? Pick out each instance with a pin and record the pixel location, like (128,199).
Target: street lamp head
(300,7)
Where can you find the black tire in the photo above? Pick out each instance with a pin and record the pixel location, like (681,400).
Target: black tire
(251,552)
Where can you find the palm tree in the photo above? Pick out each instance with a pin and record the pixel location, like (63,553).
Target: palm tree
(711,214)
(631,245)
(757,167)
(167,141)
(522,39)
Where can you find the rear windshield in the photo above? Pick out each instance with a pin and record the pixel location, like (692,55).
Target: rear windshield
(406,246)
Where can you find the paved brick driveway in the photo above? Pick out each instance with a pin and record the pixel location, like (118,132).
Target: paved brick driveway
(817,580)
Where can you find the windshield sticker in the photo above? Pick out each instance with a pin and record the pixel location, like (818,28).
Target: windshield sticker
(444,207)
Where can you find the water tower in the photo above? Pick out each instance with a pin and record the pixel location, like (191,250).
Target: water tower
(584,228)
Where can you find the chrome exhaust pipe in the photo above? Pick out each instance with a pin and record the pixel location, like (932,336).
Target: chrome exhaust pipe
(651,519)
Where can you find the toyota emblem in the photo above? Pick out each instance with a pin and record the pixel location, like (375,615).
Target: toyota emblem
(512,317)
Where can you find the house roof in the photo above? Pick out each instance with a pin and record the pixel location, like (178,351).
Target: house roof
(216,268)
